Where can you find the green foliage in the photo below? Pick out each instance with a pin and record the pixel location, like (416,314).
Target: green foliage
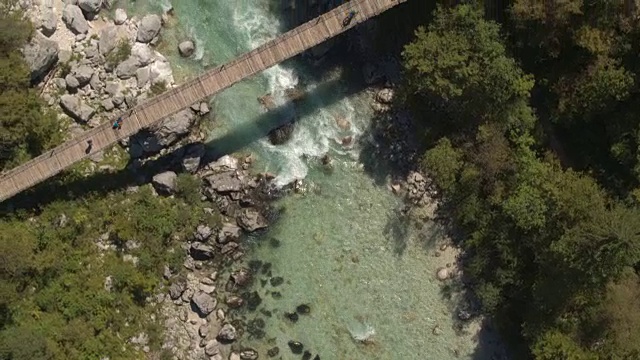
(549,250)
(52,276)
(158,88)
(460,62)
(120,53)
(27,126)
(189,188)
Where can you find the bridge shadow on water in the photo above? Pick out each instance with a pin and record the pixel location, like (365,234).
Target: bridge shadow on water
(70,186)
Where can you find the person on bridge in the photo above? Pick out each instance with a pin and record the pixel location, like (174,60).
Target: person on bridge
(89,146)
(117,123)
(347,20)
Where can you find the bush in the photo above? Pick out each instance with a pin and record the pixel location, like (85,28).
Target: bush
(119,54)
(158,88)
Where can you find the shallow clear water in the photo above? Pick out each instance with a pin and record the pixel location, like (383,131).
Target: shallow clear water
(336,250)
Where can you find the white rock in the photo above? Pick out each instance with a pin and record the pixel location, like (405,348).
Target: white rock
(120,17)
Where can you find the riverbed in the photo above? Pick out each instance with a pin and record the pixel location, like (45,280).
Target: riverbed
(372,293)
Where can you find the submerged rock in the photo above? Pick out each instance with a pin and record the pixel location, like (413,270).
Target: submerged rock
(292,316)
(295,346)
(276,281)
(273,352)
(303,309)
(186,48)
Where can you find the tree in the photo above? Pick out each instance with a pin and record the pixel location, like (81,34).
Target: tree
(459,62)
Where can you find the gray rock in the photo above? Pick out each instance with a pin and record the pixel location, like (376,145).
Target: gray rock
(72,82)
(227,333)
(187,48)
(110,37)
(203,232)
(203,330)
(142,53)
(228,233)
(48,22)
(127,68)
(281,134)
(64,56)
(251,220)
(204,303)
(176,289)
(118,100)
(211,348)
(234,302)
(95,82)
(120,16)
(225,182)
(112,88)
(107,104)
(74,19)
(76,108)
(90,6)
(385,96)
(142,76)
(225,163)
(200,251)
(170,130)
(204,108)
(83,74)
(191,159)
(148,28)
(60,83)
(40,54)
(165,183)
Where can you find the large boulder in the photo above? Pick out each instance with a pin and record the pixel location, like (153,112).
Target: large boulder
(143,54)
(74,19)
(90,6)
(76,108)
(128,68)
(120,16)
(204,303)
(83,74)
(40,54)
(160,71)
(148,28)
(191,159)
(186,48)
(110,37)
(166,182)
(48,22)
(228,233)
(225,182)
(203,232)
(170,130)
(251,220)
(201,251)
(177,288)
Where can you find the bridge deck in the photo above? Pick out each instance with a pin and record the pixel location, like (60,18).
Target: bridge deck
(170,102)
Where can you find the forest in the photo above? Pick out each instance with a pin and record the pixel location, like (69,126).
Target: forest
(529,119)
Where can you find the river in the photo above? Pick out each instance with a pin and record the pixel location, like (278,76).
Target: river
(336,252)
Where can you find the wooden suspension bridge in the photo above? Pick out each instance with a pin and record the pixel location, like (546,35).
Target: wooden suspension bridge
(202,87)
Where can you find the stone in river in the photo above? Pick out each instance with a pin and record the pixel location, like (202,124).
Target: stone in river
(186,48)
(291,316)
(295,346)
(248,354)
(204,303)
(273,352)
(276,281)
(241,277)
(303,309)
(276,294)
(251,220)
(275,243)
(317,357)
(306,355)
(227,333)
(234,302)
(253,300)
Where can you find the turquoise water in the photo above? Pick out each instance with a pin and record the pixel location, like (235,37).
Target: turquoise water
(336,250)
